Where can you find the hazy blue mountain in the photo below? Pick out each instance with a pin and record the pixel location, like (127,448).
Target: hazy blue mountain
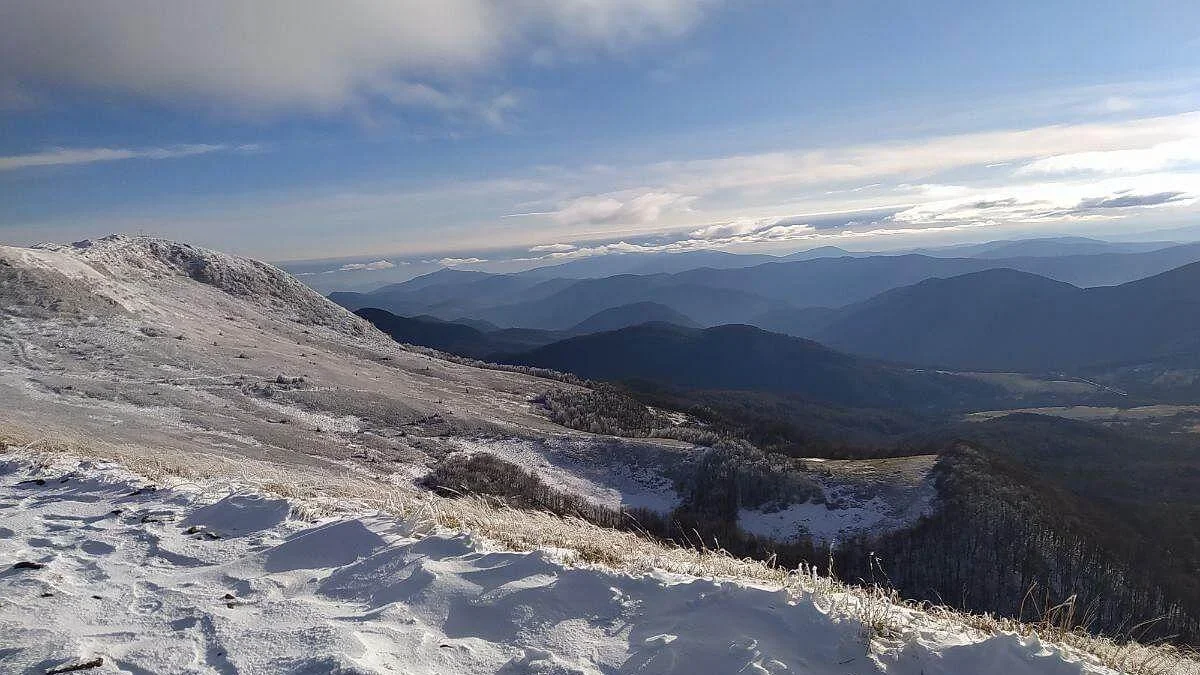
(456,338)
(440,277)
(1061,246)
(800,322)
(1105,269)
(820,252)
(1009,320)
(429,332)
(646,263)
(632,315)
(706,305)
(477,324)
(450,294)
(770,295)
(1042,247)
(745,357)
(961,320)
(834,282)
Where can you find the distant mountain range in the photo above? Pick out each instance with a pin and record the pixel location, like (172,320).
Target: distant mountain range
(1009,320)
(749,358)
(633,314)
(481,340)
(730,357)
(1045,247)
(779,295)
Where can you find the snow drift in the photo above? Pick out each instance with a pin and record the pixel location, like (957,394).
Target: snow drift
(198,578)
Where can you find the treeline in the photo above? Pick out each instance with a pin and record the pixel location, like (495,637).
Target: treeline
(780,424)
(485,474)
(1005,542)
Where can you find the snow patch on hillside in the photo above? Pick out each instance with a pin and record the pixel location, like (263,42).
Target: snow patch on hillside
(611,473)
(864,497)
(197,577)
(823,522)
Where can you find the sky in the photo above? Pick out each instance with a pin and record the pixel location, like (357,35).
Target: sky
(460,131)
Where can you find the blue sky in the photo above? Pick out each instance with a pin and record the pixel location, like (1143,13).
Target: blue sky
(556,129)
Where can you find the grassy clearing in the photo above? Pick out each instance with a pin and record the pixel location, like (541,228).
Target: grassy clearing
(879,612)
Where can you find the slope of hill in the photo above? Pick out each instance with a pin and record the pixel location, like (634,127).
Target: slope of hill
(631,315)
(1008,320)
(961,320)
(148,341)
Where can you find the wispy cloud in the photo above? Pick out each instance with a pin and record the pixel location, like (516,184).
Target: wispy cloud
(370,266)
(1044,177)
(638,207)
(67,156)
(552,248)
(1059,201)
(924,157)
(1171,154)
(458,262)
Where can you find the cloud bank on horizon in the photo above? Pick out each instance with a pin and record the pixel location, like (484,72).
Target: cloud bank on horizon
(575,128)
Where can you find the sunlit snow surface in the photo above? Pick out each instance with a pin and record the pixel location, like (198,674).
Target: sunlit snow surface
(610,473)
(192,578)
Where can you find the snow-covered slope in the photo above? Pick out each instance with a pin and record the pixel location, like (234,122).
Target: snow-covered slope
(101,568)
(140,340)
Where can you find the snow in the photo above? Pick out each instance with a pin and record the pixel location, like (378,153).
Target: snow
(819,521)
(611,473)
(204,577)
(860,497)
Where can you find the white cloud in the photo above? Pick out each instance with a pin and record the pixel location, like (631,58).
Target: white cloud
(552,248)
(733,229)
(625,208)
(739,193)
(63,156)
(766,232)
(1182,152)
(917,158)
(371,266)
(267,54)
(1060,201)
(455,262)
